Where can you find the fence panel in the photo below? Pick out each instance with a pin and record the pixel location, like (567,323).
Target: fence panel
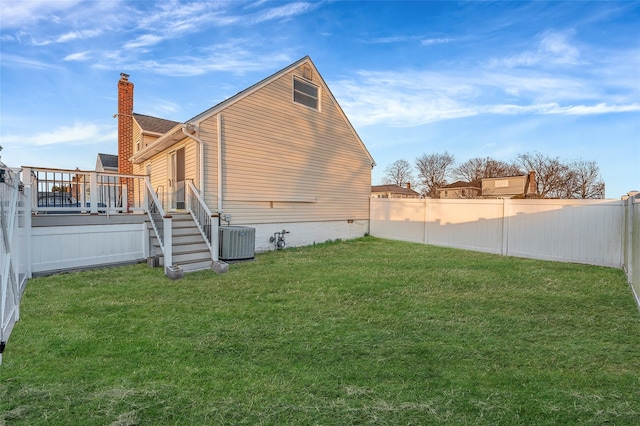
(468,224)
(398,219)
(13,249)
(633,247)
(581,231)
(58,247)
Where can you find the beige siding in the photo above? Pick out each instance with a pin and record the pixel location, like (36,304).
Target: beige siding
(284,162)
(148,140)
(512,185)
(208,133)
(160,168)
(137,137)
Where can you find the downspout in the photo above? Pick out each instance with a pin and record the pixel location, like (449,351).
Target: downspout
(219,162)
(201,180)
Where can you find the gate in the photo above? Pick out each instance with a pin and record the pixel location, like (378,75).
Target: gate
(14,215)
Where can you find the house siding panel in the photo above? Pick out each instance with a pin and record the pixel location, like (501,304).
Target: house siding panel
(514,185)
(283,162)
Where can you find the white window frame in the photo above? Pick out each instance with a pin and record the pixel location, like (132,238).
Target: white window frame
(307,82)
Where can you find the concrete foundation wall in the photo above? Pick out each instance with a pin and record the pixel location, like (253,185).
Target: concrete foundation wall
(309,233)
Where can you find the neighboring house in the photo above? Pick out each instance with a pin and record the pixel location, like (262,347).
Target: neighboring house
(509,186)
(500,187)
(393,191)
(107,163)
(279,155)
(461,189)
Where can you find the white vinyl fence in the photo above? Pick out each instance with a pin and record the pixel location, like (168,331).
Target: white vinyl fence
(632,244)
(13,250)
(595,232)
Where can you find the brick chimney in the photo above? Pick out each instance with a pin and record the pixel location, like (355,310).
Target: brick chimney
(408,185)
(125,124)
(533,187)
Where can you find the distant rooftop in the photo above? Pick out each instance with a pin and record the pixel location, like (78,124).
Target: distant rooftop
(393,189)
(109,160)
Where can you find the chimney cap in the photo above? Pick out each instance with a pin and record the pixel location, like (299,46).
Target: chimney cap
(124,76)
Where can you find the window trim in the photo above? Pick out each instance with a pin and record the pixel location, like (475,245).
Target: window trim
(309,83)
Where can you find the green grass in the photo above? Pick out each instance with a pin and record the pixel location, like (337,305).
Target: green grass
(359,332)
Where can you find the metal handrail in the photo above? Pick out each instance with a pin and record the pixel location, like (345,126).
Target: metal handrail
(78,191)
(156,214)
(203,218)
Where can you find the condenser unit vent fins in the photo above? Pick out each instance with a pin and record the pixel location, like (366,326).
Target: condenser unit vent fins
(237,242)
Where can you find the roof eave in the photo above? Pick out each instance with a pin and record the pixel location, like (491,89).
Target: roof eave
(170,138)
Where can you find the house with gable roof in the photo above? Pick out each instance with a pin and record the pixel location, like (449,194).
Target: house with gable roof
(393,191)
(461,189)
(279,155)
(495,187)
(107,163)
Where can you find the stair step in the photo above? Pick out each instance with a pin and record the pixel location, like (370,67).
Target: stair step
(189,250)
(196,265)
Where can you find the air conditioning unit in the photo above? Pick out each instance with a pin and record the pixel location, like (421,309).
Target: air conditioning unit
(236,242)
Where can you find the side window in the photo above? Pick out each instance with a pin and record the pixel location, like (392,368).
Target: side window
(306,93)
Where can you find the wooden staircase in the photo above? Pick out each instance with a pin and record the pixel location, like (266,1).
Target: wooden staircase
(190,251)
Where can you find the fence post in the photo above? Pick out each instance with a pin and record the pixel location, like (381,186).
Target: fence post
(93,192)
(628,238)
(28,194)
(427,216)
(168,243)
(215,245)
(505,226)
(125,199)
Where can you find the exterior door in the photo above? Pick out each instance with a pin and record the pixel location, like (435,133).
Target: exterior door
(176,181)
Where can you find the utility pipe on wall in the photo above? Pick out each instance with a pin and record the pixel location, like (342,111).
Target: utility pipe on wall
(201,179)
(219,117)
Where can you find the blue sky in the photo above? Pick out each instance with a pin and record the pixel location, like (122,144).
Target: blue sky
(475,79)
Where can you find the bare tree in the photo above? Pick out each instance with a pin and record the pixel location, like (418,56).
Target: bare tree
(398,173)
(552,175)
(433,171)
(584,180)
(478,168)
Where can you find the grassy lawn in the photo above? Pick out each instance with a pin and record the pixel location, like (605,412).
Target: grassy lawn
(360,332)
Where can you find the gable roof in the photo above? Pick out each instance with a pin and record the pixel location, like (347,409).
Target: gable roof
(108,160)
(461,184)
(154,124)
(394,189)
(175,133)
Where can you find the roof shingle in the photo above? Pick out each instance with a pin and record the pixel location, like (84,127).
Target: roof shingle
(154,124)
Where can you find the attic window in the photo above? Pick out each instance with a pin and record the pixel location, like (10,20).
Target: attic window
(305,93)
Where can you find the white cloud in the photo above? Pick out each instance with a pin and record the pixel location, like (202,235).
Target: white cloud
(9,60)
(553,49)
(143,41)
(235,56)
(431,41)
(601,108)
(412,98)
(286,11)
(68,37)
(386,40)
(78,57)
(16,14)
(78,134)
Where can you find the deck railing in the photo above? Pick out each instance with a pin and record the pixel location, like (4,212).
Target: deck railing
(206,221)
(78,191)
